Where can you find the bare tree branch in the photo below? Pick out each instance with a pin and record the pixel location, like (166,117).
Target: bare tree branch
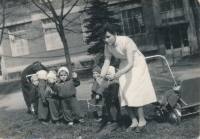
(62,9)
(52,10)
(69,10)
(77,16)
(43,11)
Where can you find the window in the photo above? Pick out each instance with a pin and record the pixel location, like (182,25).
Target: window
(133,22)
(18,42)
(170,5)
(171,11)
(52,38)
(173,19)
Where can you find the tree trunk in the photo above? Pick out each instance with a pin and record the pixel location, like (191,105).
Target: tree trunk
(67,56)
(3,22)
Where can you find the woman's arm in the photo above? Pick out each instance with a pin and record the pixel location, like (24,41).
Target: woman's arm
(105,67)
(128,67)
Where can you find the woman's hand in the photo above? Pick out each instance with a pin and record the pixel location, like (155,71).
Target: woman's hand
(118,74)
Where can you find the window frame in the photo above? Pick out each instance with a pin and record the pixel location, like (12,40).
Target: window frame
(136,28)
(176,7)
(50,34)
(171,5)
(15,41)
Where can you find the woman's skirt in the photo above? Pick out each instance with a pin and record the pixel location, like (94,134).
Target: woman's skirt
(136,88)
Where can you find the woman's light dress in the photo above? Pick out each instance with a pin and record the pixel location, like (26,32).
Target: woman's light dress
(136,88)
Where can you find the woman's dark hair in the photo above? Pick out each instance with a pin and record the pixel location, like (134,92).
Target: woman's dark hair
(37,66)
(111,28)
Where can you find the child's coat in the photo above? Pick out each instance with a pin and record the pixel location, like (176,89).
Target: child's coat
(69,103)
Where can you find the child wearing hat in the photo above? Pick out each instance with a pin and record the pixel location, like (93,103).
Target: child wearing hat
(98,99)
(53,98)
(67,92)
(43,110)
(109,89)
(34,93)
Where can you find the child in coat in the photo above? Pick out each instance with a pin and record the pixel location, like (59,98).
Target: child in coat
(98,99)
(67,92)
(43,110)
(53,98)
(109,89)
(34,94)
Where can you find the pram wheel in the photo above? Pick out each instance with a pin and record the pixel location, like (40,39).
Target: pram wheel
(174,118)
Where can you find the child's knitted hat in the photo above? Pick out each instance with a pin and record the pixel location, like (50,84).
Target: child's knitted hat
(42,74)
(51,75)
(97,69)
(34,77)
(52,71)
(63,68)
(111,70)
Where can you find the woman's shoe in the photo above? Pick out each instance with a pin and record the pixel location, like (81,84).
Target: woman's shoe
(129,129)
(140,129)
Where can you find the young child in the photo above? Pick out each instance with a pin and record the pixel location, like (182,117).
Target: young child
(110,89)
(98,99)
(67,92)
(43,110)
(34,94)
(53,98)
(57,78)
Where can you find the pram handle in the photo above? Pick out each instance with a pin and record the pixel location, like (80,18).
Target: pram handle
(167,65)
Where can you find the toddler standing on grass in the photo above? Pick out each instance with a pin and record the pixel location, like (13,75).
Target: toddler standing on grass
(43,110)
(67,92)
(53,98)
(34,94)
(98,99)
(109,89)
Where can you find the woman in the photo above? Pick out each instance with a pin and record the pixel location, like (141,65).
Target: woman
(26,87)
(136,88)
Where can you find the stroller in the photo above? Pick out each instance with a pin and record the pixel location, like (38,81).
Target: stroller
(182,100)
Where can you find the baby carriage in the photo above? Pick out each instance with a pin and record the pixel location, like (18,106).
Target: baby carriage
(182,100)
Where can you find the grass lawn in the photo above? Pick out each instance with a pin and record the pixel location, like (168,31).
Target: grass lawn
(18,124)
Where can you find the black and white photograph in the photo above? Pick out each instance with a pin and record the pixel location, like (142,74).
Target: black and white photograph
(99,69)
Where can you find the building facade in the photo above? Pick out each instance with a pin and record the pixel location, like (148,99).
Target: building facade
(156,26)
